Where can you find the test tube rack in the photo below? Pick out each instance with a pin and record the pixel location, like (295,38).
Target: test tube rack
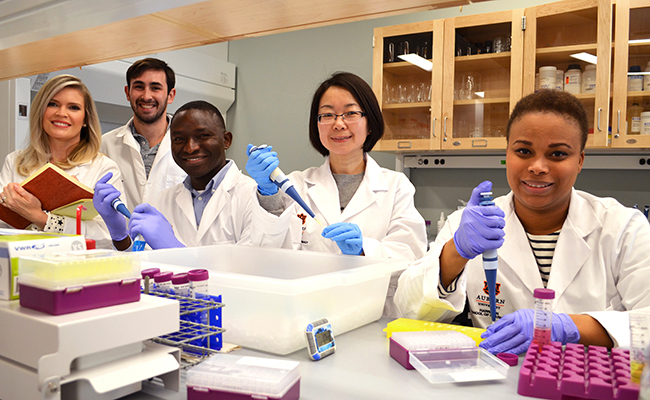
(191,335)
(576,371)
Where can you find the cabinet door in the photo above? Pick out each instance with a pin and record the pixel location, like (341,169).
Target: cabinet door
(558,32)
(631,48)
(483,55)
(410,103)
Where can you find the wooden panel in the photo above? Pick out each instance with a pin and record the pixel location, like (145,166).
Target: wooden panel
(194,25)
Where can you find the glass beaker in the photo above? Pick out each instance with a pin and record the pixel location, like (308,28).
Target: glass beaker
(391,52)
(639,341)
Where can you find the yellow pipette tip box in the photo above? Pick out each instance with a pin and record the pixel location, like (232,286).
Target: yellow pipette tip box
(60,270)
(412,325)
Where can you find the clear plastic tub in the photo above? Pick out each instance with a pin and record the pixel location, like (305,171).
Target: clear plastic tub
(458,365)
(229,376)
(401,343)
(272,294)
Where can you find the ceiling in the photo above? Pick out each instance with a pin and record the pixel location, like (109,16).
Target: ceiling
(38,36)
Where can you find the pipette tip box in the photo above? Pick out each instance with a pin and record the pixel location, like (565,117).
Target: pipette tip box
(458,365)
(402,343)
(576,372)
(63,283)
(234,377)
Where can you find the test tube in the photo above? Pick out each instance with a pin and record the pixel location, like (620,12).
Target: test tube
(199,290)
(181,285)
(163,282)
(639,341)
(543,314)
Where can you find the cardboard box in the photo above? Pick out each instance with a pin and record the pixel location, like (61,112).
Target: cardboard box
(13,246)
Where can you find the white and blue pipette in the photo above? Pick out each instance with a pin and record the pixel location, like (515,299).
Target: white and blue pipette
(490,263)
(281,181)
(139,242)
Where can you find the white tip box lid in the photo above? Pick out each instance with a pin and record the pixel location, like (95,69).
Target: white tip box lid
(244,374)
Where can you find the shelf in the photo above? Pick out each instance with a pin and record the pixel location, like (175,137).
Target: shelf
(403,68)
(406,106)
(562,54)
(483,62)
(496,100)
(639,49)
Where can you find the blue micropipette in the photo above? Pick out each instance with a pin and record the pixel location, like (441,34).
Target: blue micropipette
(281,181)
(490,263)
(139,242)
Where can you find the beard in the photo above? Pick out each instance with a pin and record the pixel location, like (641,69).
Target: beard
(149,118)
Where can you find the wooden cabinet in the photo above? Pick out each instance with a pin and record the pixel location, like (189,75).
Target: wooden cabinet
(545,35)
(631,47)
(555,33)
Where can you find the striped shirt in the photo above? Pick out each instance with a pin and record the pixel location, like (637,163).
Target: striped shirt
(543,247)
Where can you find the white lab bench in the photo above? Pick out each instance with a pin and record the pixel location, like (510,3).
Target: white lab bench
(362,369)
(100,353)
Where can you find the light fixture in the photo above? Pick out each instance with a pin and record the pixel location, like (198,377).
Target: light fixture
(639,41)
(417,61)
(586,57)
(480,94)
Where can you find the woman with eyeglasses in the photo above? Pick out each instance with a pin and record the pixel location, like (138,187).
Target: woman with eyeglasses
(366,209)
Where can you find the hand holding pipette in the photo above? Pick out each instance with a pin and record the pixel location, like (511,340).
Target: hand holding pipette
(151,224)
(104,197)
(514,332)
(481,230)
(263,166)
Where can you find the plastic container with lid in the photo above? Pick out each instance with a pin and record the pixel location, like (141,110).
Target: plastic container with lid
(634,119)
(559,79)
(589,79)
(635,81)
(645,123)
(163,282)
(402,343)
(543,314)
(181,285)
(230,377)
(573,79)
(547,77)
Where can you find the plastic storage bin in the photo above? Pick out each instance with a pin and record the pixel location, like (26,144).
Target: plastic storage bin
(233,377)
(458,365)
(62,283)
(272,294)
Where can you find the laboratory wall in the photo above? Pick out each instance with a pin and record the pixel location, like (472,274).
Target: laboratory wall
(276,78)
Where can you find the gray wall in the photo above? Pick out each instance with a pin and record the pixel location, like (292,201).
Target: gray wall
(277,75)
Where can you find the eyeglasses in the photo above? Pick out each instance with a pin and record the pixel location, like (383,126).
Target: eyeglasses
(350,116)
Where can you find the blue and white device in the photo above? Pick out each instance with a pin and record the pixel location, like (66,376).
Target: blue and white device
(320,339)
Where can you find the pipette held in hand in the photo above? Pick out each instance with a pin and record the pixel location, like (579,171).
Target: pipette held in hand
(490,263)
(281,181)
(138,242)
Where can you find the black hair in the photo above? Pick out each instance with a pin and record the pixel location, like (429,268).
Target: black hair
(201,105)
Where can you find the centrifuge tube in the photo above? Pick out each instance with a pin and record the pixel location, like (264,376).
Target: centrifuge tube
(543,314)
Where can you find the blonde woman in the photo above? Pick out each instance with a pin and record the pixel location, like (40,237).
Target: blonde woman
(65,131)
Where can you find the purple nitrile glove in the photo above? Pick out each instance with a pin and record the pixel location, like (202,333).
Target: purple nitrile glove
(481,227)
(259,166)
(154,227)
(104,195)
(347,236)
(514,332)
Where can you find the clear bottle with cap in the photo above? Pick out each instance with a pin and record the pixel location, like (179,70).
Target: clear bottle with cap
(645,123)
(559,79)
(163,282)
(181,285)
(547,77)
(646,78)
(573,79)
(635,79)
(589,79)
(543,315)
(634,119)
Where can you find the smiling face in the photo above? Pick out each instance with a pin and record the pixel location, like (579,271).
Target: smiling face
(148,96)
(64,117)
(342,138)
(199,143)
(543,159)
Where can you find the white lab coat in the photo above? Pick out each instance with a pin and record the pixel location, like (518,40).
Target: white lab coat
(601,266)
(120,146)
(226,218)
(88,174)
(382,206)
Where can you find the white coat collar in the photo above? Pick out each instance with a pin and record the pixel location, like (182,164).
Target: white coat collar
(322,189)
(571,251)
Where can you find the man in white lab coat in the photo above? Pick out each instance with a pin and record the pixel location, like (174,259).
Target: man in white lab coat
(142,148)
(593,252)
(211,206)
